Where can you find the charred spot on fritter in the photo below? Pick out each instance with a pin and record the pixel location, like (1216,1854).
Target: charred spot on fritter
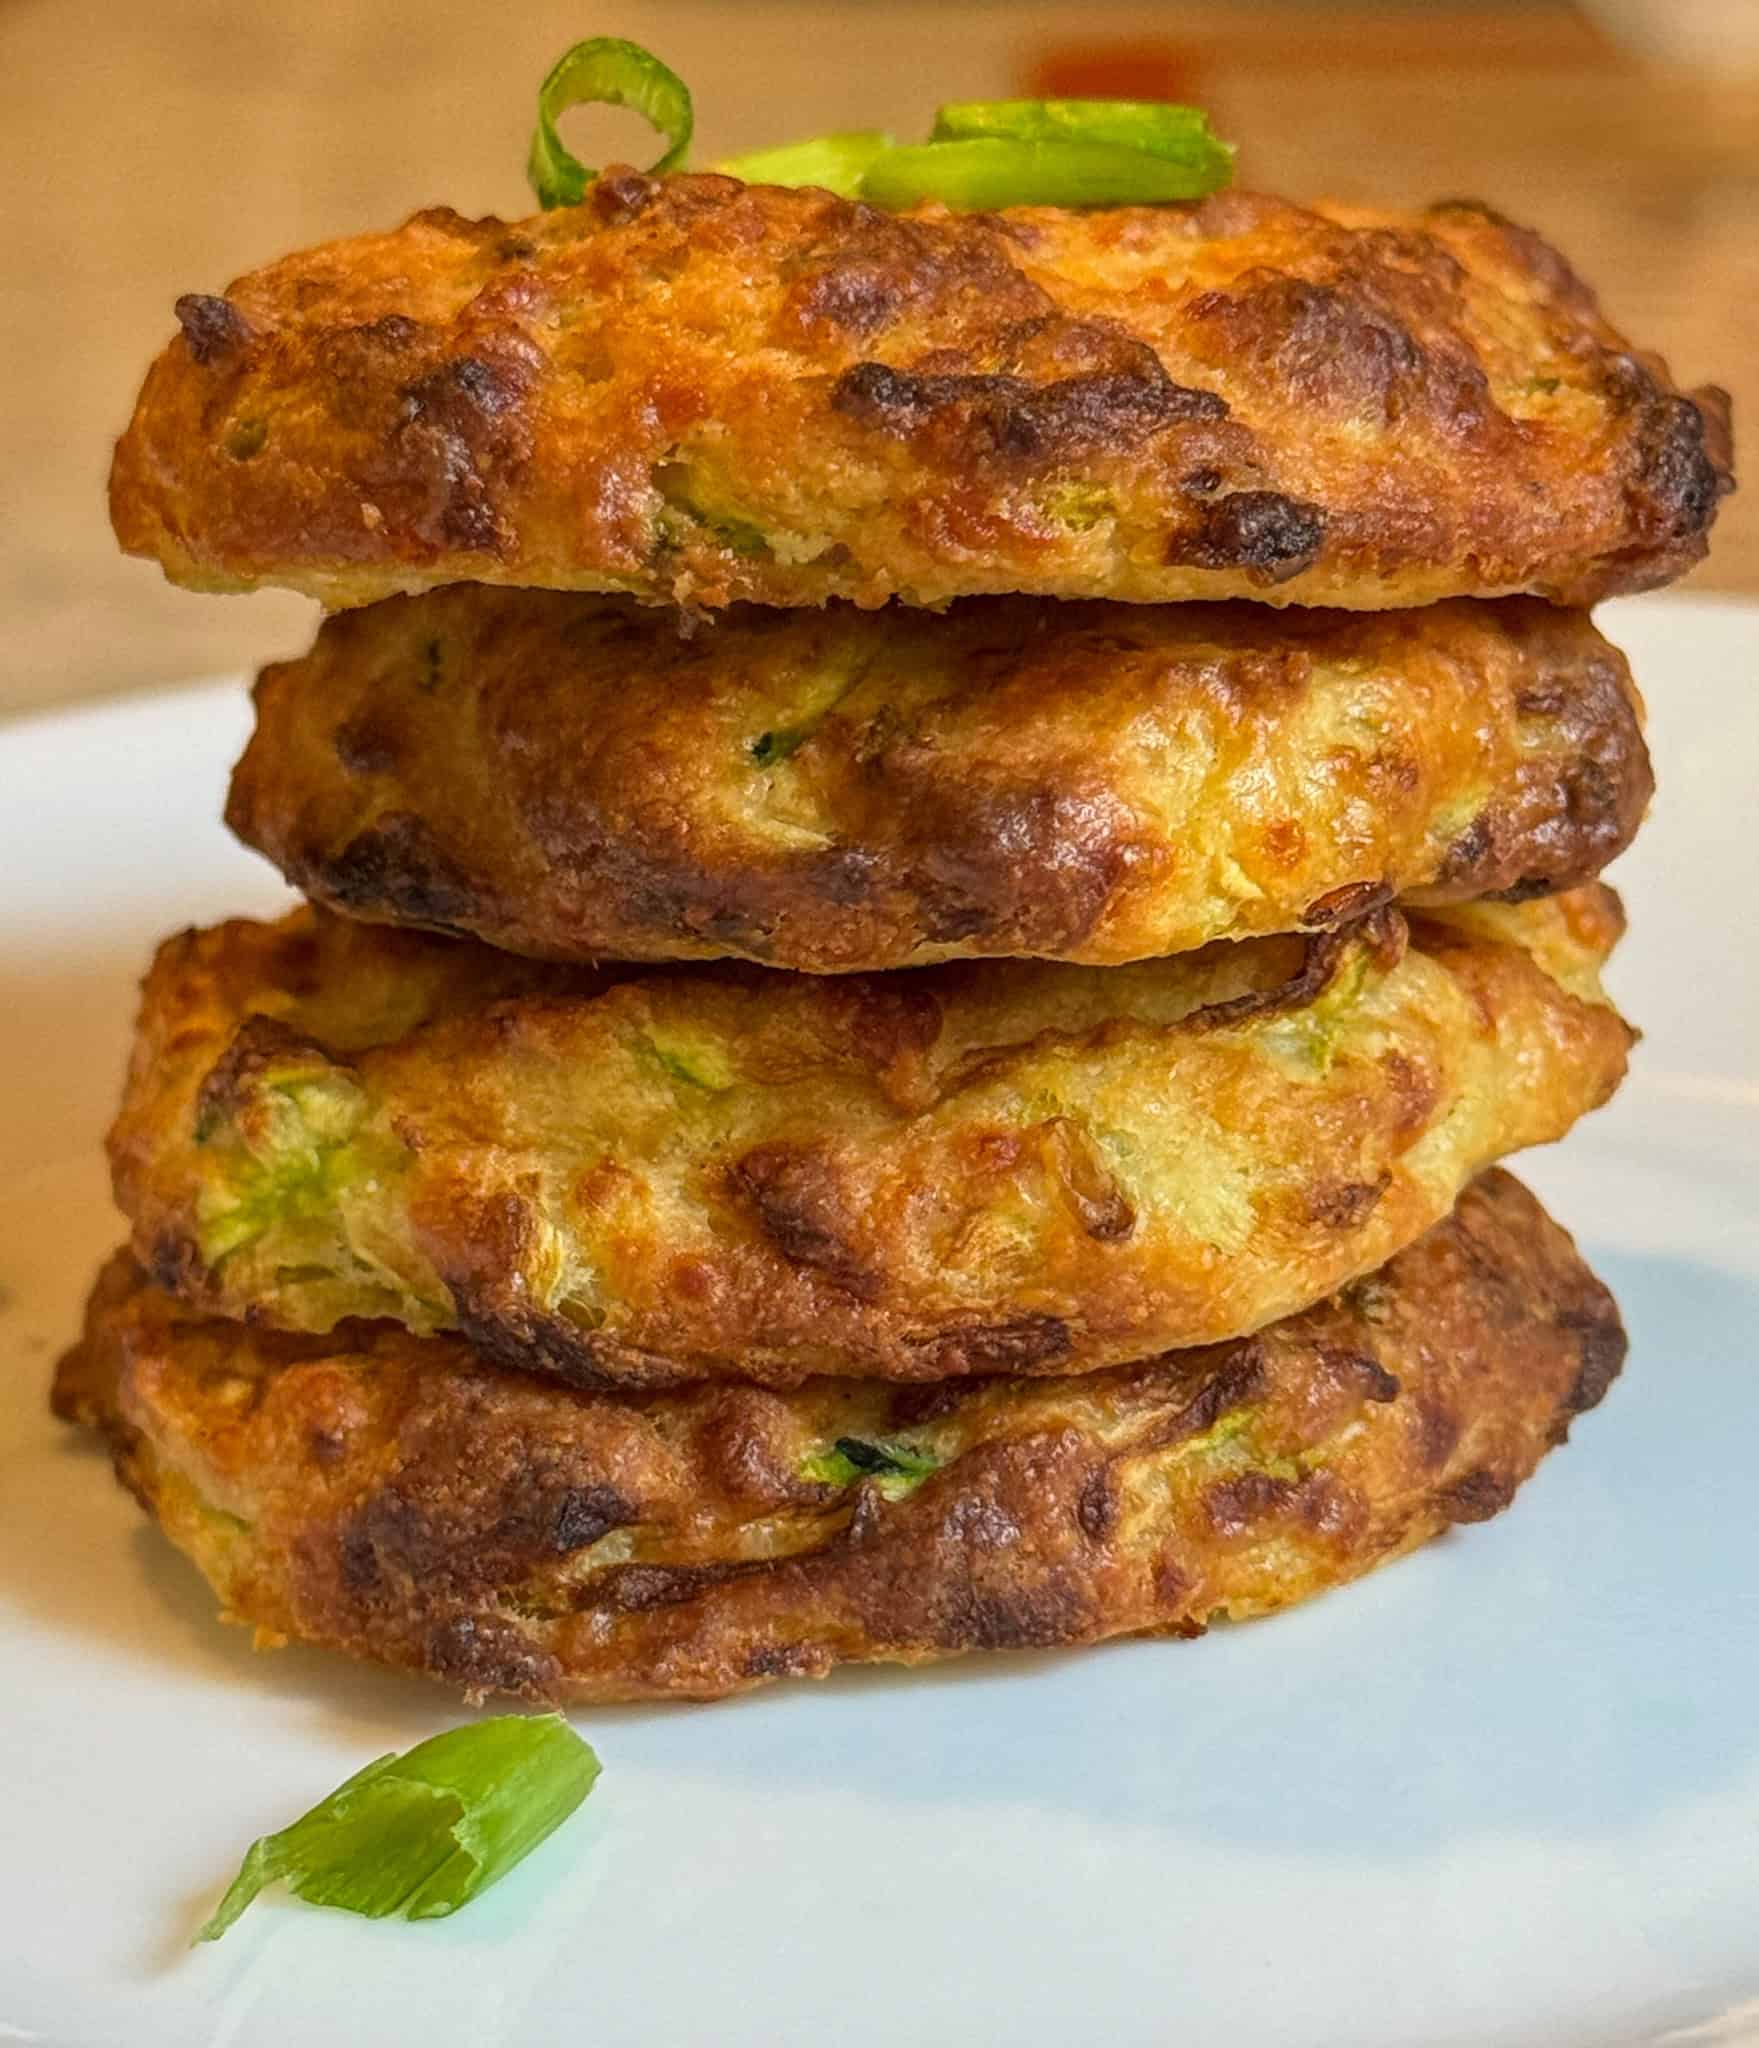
(1242,1377)
(979,1522)
(787,1660)
(326,1448)
(1097,1508)
(1318,959)
(1438,1431)
(1416,1087)
(464,396)
(858,297)
(259,1046)
(1527,890)
(1345,904)
(1093,1190)
(1593,801)
(516,1335)
(749,1447)
(1343,1204)
(913,1402)
(1023,1345)
(843,875)
(1601,1337)
(892,1022)
(1087,413)
(968,873)
(470,1517)
(1332,345)
(175,1264)
(580,1515)
(367,743)
(398,865)
(1376,1383)
(1234,1504)
(1367,1298)
(352,358)
(1270,536)
(619,195)
(213,327)
(1470,853)
(796,1194)
(1476,1496)
(484,1654)
(1677,484)
(456,429)
(1037,1617)
(636,1588)
(1581,798)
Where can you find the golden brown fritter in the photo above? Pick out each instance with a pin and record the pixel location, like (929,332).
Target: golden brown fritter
(837,790)
(983,1168)
(403,1500)
(693,389)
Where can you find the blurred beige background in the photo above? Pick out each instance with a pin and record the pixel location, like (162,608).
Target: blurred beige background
(164,146)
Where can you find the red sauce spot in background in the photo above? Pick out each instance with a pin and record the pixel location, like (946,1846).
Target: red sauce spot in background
(1141,70)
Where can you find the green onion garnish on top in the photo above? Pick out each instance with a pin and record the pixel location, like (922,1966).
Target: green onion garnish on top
(837,163)
(423,1833)
(1179,134)
(981,154)
(988,172)
(604,71)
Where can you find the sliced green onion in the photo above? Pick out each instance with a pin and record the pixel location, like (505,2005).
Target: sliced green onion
(835,162)
(989,172)
(606,71)
(421,1834)
(982,154)
(1179,133)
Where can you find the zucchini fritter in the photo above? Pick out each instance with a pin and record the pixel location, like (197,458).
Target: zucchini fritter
(835,790)
(697,390)
(402,1500)
(1000,1167)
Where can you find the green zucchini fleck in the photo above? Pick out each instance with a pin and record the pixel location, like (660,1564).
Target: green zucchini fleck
(895,1467)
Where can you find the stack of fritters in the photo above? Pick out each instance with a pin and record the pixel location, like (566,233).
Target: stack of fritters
(801,1126)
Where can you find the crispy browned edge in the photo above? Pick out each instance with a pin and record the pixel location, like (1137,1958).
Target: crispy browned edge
(406,1502)
(568,777)
(1283,403)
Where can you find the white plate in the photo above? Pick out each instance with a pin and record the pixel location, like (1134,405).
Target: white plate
(1506,1792)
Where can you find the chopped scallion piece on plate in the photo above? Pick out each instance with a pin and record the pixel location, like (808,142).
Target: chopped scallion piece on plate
(423,1833)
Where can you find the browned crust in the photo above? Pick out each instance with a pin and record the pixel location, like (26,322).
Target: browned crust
(698,390)
(984,1168)
(400,1500)
(575,777)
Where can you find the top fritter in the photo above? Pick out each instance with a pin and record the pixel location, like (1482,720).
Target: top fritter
(699,390)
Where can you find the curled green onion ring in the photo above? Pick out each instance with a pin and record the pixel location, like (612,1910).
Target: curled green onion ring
(606,71)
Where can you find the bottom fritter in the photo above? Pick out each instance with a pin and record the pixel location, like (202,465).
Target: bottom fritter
(401,1499)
